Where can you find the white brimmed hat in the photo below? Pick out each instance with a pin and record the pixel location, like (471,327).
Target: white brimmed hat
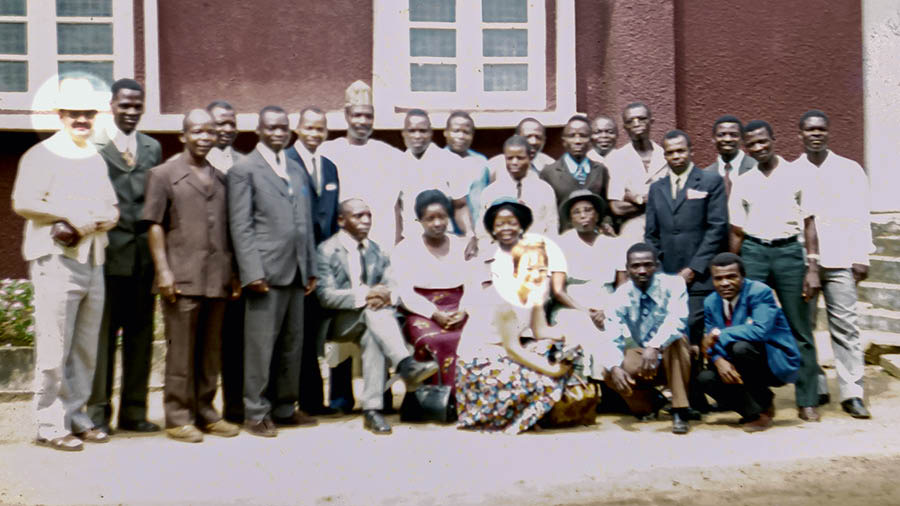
(76,94)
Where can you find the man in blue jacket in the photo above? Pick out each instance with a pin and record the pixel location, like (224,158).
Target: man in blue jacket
(748,341)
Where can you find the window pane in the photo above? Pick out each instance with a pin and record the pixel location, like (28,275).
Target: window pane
(432,10)
(13,38)
(505,43)
(430,77)
(83,38)
(84,7)
(427,42)
(506,77)
(504,11)
(13,76)
(12,8)
(94,71)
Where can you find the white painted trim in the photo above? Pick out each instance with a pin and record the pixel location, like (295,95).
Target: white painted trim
(152,107)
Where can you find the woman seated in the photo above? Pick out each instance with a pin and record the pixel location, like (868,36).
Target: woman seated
(430,270)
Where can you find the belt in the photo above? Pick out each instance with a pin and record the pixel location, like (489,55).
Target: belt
(774,242)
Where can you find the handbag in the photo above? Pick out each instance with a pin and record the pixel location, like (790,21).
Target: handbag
(429,403)
(577,406)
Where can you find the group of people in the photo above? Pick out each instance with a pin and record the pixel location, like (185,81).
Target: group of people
(505,279)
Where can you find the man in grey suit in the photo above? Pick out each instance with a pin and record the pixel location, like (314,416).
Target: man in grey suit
(272,233)
(354,284)
(727,139)
(129,272)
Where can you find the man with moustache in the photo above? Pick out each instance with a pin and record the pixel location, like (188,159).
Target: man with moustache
(271,226)
(186,211)
(844,230)
(731,162)
(459,134)
(312,130)
(62,190)
(129,155)
(632,168)
(604,134)
(770,206)
(536,135)
(574,170)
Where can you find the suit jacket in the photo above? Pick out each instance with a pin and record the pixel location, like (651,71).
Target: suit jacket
(271,230)
(747,163)
(562,181)
(128,253)
(693,228)
(756,318)
(333,286)
(324,204)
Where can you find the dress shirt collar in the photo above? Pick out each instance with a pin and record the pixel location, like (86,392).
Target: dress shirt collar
(729,305)
(735,163)
(683,177)
(61,144)
(221,159)
(124,142)
(573,166)
(305,154)
(429,152)
(654,291)
(278,163)
(350,243)
(469,152)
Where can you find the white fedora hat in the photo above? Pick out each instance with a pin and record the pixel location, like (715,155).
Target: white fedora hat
(76,94)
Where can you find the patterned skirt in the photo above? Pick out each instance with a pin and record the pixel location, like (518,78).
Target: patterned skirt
(501,395)
(432,342)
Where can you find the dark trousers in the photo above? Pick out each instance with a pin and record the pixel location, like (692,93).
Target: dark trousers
(193,359)
(311,390)
(783,269)
(233,361)
(128,306)
(273,341)
(695,329)
(753,396)
(674,371)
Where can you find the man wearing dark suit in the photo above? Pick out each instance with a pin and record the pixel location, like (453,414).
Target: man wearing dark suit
(355,286)
(323,191)
(749,342)
(574,170)
(129,155)
(727,139)
(272,232)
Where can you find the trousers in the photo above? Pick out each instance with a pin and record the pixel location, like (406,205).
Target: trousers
(753,396)
(675,372)
(839,290)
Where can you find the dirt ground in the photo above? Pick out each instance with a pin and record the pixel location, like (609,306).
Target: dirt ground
(619,461)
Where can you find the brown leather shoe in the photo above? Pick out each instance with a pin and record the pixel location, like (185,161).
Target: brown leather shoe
(222,428)
(295,420)
(809,414)
(67,443)
(261,428)
(94,435)
(760,424)
(185,434)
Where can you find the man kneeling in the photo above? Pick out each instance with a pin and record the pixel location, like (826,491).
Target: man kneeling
(354,281)
(748,340)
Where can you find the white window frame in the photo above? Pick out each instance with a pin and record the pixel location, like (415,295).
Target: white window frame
(43,59)
(391,61)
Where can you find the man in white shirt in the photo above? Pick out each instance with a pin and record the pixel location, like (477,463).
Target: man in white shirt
(222,155)
(523,184)
(769,208)
(459,134)
(604,134)
(731,162)
(845,242)
(63,191)
(632,168)
(536,135)
(368,168)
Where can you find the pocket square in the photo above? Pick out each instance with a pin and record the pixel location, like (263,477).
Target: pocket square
(696,194)
(330,187)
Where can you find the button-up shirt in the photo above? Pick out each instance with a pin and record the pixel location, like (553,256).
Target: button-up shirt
(497,164)
(354,266)
(435,169)
(58,178)
(221,159)
(574,167)
(666,315)
(772,207)
(677,181)
(312,162)
(277,162)
(536,194)
(627,171)
(841,206)
(124,142)
(735,164)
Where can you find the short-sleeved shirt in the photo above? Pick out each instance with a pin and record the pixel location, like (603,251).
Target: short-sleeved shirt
(194,217)
(771,207)
(596,262)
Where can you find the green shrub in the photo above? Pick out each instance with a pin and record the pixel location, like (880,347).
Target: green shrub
(16,312)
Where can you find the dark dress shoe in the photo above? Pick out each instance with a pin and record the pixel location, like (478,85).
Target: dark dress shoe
(414,372)
(809,414)
(856,408)
(323,411)
(299,418)
(824,399)
(680,424)
(261,428)
(375,422)
(138,426)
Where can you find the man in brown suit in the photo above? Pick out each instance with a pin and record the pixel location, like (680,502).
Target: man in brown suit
(186,208)
(574,170)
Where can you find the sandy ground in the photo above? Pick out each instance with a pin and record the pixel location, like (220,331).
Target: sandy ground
(618,461)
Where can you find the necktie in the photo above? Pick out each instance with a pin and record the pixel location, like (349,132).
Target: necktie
(315,174)
(363,275)
(128,156)
(676,188)
(581,174)
(519,189)
(728,178)
(644,320)
(729,313)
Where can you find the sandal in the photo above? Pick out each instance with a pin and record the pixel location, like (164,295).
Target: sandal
(67,443)
(93,436)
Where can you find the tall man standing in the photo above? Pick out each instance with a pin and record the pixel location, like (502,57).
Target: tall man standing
(731,162)
(63,191)
(845,242)
(324,188)
(769,208)
(604,134)
(459,134)
(631,170)
(272,231)
(129,306)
